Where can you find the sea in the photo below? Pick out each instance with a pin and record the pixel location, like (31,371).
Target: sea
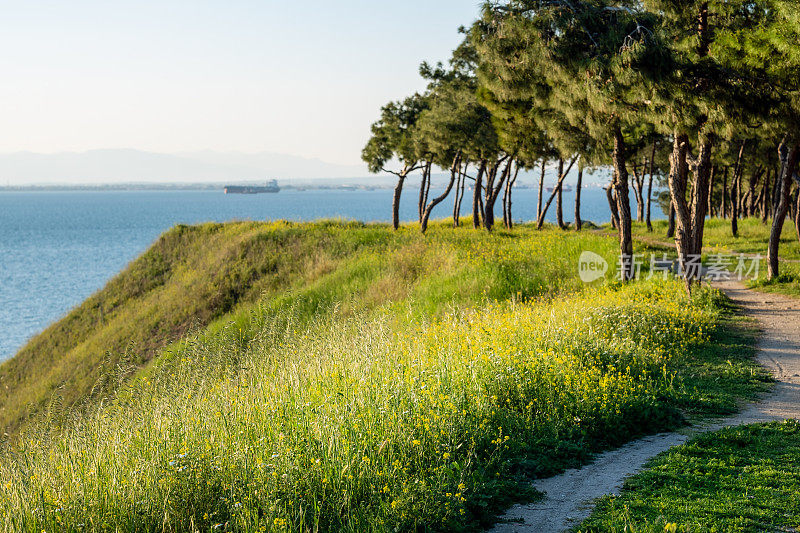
(59,247)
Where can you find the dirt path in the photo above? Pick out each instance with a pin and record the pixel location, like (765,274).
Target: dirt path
(569,497)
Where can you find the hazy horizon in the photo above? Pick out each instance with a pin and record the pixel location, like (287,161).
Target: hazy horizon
(245,77)
(117,166)
(112,167)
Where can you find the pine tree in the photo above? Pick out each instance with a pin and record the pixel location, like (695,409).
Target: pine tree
(454,130)
(580,64)
(708,92)
(393,138)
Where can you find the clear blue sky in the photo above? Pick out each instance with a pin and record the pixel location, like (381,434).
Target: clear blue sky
(304,78)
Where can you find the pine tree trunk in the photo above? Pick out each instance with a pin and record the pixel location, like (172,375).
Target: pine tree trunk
(671,224)
(493,191)
(476,196)
(487,210)
(612,204)
(507,199)
(456,206)
(690,220)
(578,221)
(421,203)
(765,197)
(678,180)
(398,190)
(787,172)
(638,185)
(741,195)
(744,205)
(461,193)
(648,220)
(768,202)
(505,206)
(702,179)
(650,189)
(640,198)
(454,170)
(560,198)
(623,207)
(428,181)
(711,181)
(541,192)
(758,206)
(737,191)
(783,157)
(751,191)
(540,221)
(724,203)
(776,189)
(509,192)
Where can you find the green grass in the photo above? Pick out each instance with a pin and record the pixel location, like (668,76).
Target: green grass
(375,423)
(753,238)
(722,374)
(366,380)
(744,478)
(205,276)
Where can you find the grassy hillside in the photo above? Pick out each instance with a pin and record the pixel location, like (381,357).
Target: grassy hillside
(343,377)
(193,276)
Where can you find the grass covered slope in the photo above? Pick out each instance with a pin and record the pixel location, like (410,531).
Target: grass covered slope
(412,384)
(743,478)
(193,276)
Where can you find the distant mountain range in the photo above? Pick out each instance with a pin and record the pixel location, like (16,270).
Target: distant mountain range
(127,166)
(124,166)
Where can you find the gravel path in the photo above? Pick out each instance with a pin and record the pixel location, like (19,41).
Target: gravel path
(569,497)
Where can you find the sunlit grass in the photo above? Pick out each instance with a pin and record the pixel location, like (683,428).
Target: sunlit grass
(366,423)
(718,237)
(415,383)
(212,274)
(753,240)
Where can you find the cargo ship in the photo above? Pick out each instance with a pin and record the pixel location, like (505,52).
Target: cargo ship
(564,188)
(270,187)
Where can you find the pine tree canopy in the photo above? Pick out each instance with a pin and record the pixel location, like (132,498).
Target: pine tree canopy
(393,135)
(692,91)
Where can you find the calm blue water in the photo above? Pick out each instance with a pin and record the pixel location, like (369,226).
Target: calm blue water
(57,248)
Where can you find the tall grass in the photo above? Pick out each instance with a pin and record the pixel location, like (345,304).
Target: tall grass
(393,383)
(363,423)
(212,274)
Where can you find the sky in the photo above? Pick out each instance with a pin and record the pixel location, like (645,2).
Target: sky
(302,78)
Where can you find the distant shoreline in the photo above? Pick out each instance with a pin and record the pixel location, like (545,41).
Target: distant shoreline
(175,187)
(285,186)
